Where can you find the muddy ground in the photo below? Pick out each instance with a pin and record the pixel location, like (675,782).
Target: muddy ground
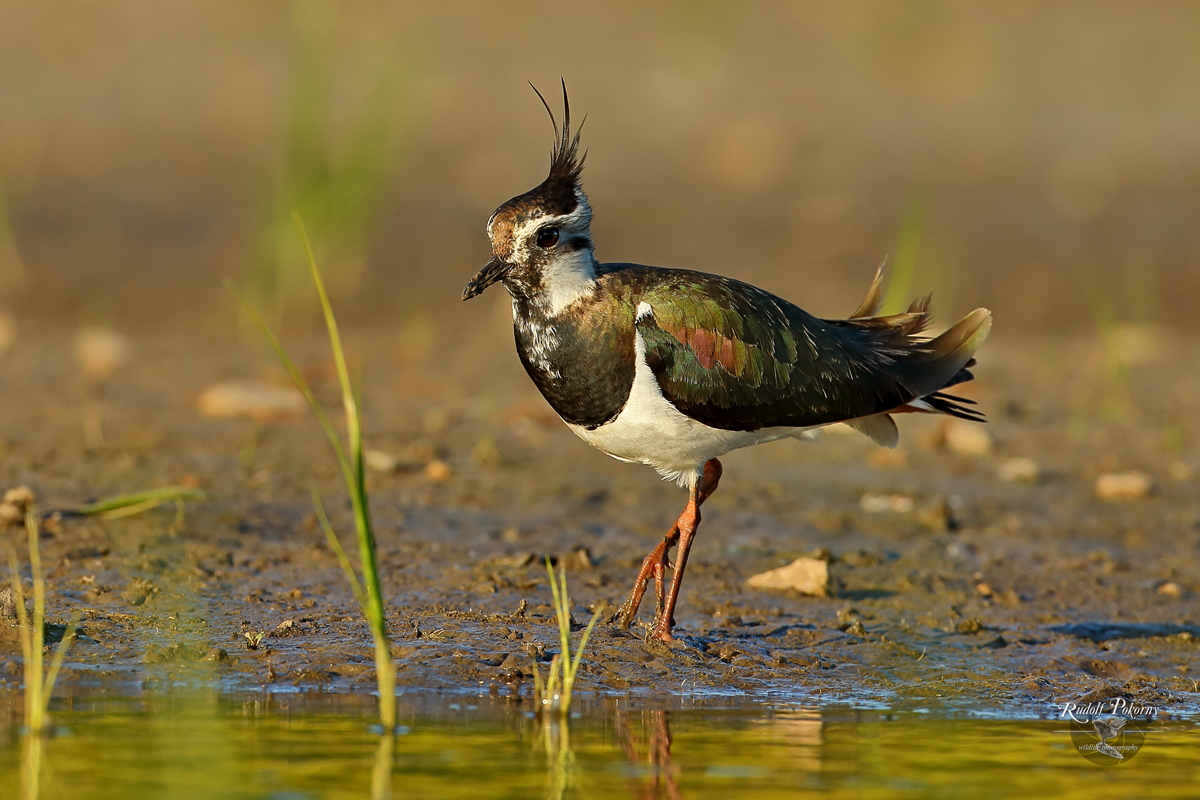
(987,594)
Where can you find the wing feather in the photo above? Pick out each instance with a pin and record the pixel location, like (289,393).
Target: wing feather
(737,358)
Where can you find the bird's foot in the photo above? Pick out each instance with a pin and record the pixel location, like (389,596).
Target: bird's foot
(623,616)
(662,632)
(653,566)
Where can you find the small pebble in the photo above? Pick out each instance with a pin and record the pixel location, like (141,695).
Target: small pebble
(1124,486)
(983,589)
(379,461)
(883,503)
(100,352)
(438,471)
(582,558)
(413,456)
(1019,469)
(1170,589)
(8,605)
(804,575)
(258,400)
(16,501)
(967,438)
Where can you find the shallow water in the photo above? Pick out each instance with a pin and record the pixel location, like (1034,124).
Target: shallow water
(298,746)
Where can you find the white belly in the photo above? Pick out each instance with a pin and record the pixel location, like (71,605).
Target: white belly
(649,430)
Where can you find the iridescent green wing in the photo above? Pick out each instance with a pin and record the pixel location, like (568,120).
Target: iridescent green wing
(737,358)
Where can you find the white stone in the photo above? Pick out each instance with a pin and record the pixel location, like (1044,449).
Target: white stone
(1124,486)
(100,352)
(968,438)
(1019,469)
(379,461)
(885,503)
(805,575)
(258,400)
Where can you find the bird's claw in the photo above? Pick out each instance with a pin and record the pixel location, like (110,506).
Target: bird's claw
(621,617)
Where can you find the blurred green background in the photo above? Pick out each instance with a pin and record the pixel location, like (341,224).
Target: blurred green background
(1049,152)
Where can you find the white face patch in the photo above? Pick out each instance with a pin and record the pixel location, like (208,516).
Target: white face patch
(571,274)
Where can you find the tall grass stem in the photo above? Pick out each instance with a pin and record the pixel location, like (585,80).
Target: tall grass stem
(368,591)
(38,686)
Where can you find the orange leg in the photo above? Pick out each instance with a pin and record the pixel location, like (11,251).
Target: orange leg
(655,565)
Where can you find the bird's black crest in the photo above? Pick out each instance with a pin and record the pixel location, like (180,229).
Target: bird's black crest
(566,164)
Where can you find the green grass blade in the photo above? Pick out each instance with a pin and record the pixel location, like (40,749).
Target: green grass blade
(539,688)
(36,700)
(335,339)
(60,654)
(335,544)
(355,477)
(368,592)
(124,505)
(583,640)
(564,620)
(553,679)
(14,572)
(904,264)
(294,373)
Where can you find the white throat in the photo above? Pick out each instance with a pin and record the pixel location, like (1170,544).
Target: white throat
(567,280)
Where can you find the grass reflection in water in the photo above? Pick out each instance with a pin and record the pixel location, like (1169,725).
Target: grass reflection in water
(324,746)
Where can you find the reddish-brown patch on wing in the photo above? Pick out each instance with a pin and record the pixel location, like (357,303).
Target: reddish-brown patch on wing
(727,358)
(704,345)
(710,348)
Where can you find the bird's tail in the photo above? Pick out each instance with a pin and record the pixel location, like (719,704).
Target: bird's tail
(926,367)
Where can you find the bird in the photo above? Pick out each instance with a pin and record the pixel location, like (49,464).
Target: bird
(673,368)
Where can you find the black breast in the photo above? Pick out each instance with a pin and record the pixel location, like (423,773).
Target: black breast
(583,365)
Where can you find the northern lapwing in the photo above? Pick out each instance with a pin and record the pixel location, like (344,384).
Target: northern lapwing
(673,368)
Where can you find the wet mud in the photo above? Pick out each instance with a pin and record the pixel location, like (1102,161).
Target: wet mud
(959,581)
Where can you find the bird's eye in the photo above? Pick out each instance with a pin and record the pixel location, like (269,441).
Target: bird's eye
(547,238)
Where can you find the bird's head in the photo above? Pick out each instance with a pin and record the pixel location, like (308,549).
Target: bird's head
(542,239)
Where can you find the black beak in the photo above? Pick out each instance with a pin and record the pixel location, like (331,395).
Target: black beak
(492,271)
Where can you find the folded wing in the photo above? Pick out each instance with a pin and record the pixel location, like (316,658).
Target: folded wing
(737,358)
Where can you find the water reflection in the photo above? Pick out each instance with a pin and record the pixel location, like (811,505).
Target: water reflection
(324,746)
(31,766)
(381,771)
(556,734)
(804,731)
(651,775)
